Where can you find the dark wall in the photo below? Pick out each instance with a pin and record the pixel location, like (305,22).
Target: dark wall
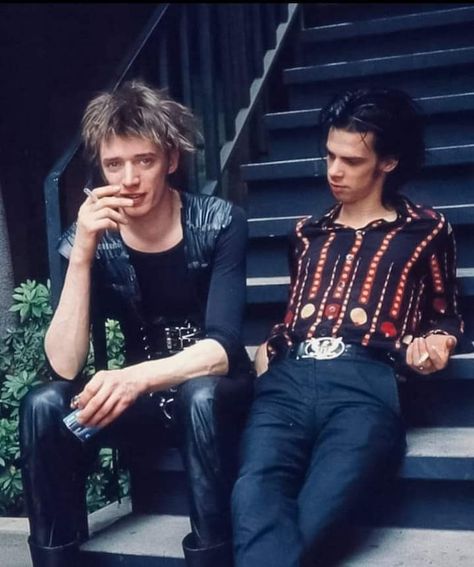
(54,57)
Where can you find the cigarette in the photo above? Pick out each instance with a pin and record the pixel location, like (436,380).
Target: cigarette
(89,193)
(423,358)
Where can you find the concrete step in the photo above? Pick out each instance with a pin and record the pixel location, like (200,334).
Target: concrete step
(289,188)
(422,74)
(382,26)
(422,61)
(155,541)
(274,289)
(280,227)
(316,167)
(407,33)
(296,134)
(138,540)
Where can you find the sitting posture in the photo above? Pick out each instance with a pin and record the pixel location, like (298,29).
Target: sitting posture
(170,267)
(372,287)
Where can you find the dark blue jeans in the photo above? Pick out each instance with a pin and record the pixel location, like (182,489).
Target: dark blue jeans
(320,435)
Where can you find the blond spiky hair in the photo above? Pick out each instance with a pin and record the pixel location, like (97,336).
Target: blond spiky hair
(135,109)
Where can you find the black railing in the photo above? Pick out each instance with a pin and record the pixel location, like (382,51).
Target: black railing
(215,58)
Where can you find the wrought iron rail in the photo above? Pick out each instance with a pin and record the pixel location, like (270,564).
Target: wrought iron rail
(216,59)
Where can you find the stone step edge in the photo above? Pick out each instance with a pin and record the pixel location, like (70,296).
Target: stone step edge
(308,118)
(384,25)
(375,547)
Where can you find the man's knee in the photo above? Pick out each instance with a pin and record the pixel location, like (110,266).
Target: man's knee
(196,395)
(44,405)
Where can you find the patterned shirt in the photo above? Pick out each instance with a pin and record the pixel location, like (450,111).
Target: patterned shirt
(378,286)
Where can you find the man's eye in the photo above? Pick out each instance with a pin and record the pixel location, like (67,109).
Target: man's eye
(112,165)
(146,161)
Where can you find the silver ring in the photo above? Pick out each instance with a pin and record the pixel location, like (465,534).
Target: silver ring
(421,367)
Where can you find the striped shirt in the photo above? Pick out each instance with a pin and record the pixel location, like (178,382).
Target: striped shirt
(379,286)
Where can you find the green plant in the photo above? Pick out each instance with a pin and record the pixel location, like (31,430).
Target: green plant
(22,366)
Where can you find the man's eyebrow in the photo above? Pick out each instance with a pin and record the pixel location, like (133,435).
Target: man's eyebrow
(328,151)
(136,156)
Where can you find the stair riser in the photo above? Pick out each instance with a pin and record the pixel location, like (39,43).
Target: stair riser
(305,142)
(428,504)
(328,13)
(160,492)
(90,559)
(400,43)
(418,83)
(299,196)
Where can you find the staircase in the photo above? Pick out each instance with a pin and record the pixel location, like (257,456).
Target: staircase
(426,517)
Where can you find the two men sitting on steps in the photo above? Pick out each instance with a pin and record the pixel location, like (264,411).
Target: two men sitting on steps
(372,286)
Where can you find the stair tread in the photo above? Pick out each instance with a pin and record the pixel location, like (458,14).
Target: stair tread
(379,65)
(429,105)
(161,536)
(442,442)
(142,534)
(315,167)
(378,26)
(271,227)
(406,547)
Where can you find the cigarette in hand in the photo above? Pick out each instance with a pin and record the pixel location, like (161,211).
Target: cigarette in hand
(89,193)
(423,358)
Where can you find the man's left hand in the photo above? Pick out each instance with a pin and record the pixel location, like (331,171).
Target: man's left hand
(107,395)
(430,354)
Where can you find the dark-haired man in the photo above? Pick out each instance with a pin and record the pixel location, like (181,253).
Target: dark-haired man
(373,280)
(170,266)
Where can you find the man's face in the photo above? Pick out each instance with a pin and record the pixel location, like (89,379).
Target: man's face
(354,171)
(140,167)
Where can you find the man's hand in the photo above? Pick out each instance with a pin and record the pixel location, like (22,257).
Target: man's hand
(108,394)
(430,354)
(102,210)
(261,360)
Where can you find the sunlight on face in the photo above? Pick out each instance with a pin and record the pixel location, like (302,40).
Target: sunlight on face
(140,167)
(354,171)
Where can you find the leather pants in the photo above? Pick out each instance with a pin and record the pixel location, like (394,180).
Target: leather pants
(209,412)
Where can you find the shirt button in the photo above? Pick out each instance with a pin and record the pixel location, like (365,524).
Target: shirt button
(350,257)
(360,232)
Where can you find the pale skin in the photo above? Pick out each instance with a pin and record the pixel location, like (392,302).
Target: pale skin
(138,203)
(356,176)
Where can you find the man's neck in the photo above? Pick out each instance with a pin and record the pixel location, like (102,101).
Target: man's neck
(358,215)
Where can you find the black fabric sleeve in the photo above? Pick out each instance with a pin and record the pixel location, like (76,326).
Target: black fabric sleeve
(227,290)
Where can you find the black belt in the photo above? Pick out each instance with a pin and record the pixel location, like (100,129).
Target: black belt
(329,348)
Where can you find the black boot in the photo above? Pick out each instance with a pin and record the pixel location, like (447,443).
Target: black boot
(219,555)
(60,556)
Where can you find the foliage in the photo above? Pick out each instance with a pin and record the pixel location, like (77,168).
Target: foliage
(22,366)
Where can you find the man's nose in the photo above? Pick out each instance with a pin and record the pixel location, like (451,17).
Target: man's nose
(129,175)
(335,169)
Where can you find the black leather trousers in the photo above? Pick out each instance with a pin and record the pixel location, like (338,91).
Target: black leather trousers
(208,416)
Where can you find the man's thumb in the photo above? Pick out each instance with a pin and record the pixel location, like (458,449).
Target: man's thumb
(451,343)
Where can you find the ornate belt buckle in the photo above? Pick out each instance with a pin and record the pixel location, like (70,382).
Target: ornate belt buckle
(323,348)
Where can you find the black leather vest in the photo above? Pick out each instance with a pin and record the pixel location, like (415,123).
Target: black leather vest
(203,218)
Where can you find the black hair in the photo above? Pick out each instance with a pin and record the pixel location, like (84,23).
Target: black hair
(395,121)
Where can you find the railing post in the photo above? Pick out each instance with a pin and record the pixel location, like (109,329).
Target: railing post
(209,95)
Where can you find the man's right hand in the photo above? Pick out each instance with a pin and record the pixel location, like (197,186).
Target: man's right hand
(103,210)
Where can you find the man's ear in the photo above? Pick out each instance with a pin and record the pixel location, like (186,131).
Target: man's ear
(173,161)
(388,164)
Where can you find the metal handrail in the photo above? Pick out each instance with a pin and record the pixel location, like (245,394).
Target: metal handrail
(215,58)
